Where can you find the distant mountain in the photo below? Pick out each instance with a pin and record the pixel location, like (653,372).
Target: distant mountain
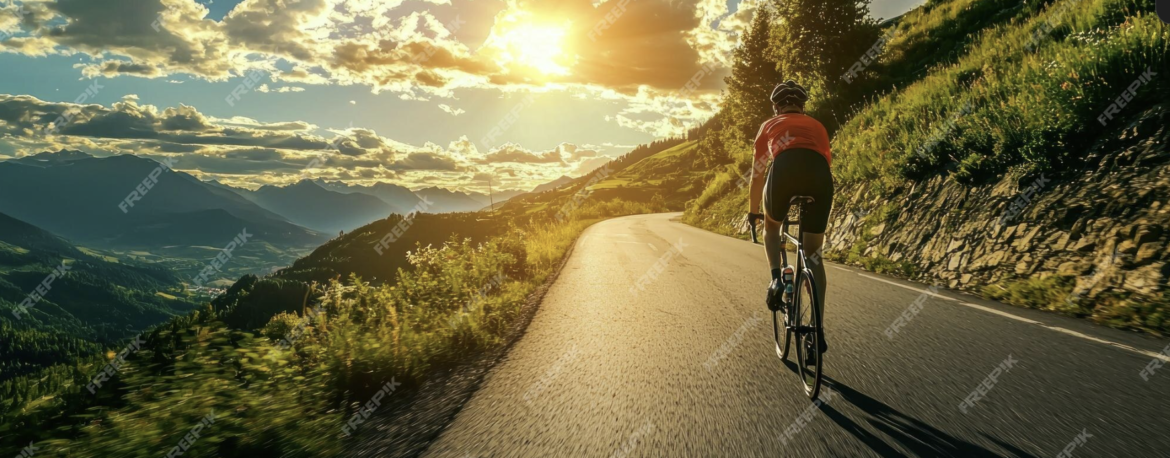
(308,204)
(77,196)
(399,198)
(557,183)
(94,301)
(447,201)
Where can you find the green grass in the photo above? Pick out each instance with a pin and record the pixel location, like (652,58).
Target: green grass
(1034,110)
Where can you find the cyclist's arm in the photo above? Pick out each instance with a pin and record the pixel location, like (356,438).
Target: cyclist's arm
(759,165)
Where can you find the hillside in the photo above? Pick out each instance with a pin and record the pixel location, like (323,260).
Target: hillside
(94,302)
(954,173)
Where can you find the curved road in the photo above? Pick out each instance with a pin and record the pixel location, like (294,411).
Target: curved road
(686,368)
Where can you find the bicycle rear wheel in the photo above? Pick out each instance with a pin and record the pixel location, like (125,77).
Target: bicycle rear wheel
(808,334)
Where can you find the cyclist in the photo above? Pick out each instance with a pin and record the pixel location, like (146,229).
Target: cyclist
(798,147)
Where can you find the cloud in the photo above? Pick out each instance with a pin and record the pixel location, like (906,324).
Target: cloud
(515,153)
(451,111)
(389,47)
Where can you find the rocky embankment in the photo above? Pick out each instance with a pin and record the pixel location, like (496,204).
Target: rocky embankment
(1092,242)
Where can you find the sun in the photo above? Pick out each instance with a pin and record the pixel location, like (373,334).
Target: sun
(539,47)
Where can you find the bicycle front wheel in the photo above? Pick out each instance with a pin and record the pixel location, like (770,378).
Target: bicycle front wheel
(808,334)
(783,335)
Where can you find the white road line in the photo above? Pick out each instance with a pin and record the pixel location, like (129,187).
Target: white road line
(1026,320)
(629,243)
(940,296)
(1001,313)
(1107,342)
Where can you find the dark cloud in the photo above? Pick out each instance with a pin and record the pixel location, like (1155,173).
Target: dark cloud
(514,153)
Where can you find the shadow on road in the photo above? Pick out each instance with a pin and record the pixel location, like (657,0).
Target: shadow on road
(912,434)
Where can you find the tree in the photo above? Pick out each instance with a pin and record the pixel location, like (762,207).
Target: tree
(753,76)
(817,41)
(745,101)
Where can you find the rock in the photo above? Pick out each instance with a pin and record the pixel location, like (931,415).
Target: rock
(1127,247)
(1147,234)
(1085,245)
(965,279)
(955,245)
(1146,280)
(1149,252)
(956,261)
(877,230)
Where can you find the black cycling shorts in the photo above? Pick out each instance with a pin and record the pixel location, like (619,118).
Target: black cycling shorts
(800,172)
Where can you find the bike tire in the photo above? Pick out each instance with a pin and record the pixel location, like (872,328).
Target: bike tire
(808,318)
(783,335)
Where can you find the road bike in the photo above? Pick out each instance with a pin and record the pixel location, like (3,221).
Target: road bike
(798,319)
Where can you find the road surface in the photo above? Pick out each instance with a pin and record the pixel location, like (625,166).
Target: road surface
(686,367)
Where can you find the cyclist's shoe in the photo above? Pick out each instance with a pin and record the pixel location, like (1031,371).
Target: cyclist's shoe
(775,295)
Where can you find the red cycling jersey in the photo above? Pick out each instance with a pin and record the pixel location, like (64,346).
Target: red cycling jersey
(789,131)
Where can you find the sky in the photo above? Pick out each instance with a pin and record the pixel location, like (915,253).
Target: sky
(421,93)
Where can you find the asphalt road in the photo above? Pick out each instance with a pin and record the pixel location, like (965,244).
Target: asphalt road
(687,367)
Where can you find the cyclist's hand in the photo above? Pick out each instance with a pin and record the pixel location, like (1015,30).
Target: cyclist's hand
(754,218)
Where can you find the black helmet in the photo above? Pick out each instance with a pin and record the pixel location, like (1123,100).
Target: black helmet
(789,93)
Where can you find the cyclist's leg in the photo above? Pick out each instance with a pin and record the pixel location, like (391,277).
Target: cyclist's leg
(776,203)
(812,244)
(773,241)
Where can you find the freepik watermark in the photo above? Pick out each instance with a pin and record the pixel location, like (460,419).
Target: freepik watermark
(579,197)
(28,451)
(911,312)
(20,12)
(402,226)
(478,298)
(67,116)
(298,331)
(1098,275)
(987,384)
(1159,360)
(658,267)
(368,409)
(943,132)
(225,255)
(1078,441)
(1045,29)
(335,145)
(634,440)
(551,374)
(1021,202)
(192,436)
(510,119)
(251,78)
(158,25)
(870,56)
(610,19)
(114,366)
(41,290)
(760,164)
(807,415)
(1126,97)
(692,84)
(733,342)
(146,185)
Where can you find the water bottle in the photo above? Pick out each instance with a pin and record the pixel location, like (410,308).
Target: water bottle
(787,277)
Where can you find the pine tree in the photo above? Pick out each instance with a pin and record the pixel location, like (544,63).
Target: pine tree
(753,75)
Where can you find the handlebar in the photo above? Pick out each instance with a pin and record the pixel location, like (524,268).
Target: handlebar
(752,218)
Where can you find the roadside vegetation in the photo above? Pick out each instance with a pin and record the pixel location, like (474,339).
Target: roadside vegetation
(964,89)
(282,363)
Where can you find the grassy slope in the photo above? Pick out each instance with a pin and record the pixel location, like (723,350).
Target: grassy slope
(1029,111)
